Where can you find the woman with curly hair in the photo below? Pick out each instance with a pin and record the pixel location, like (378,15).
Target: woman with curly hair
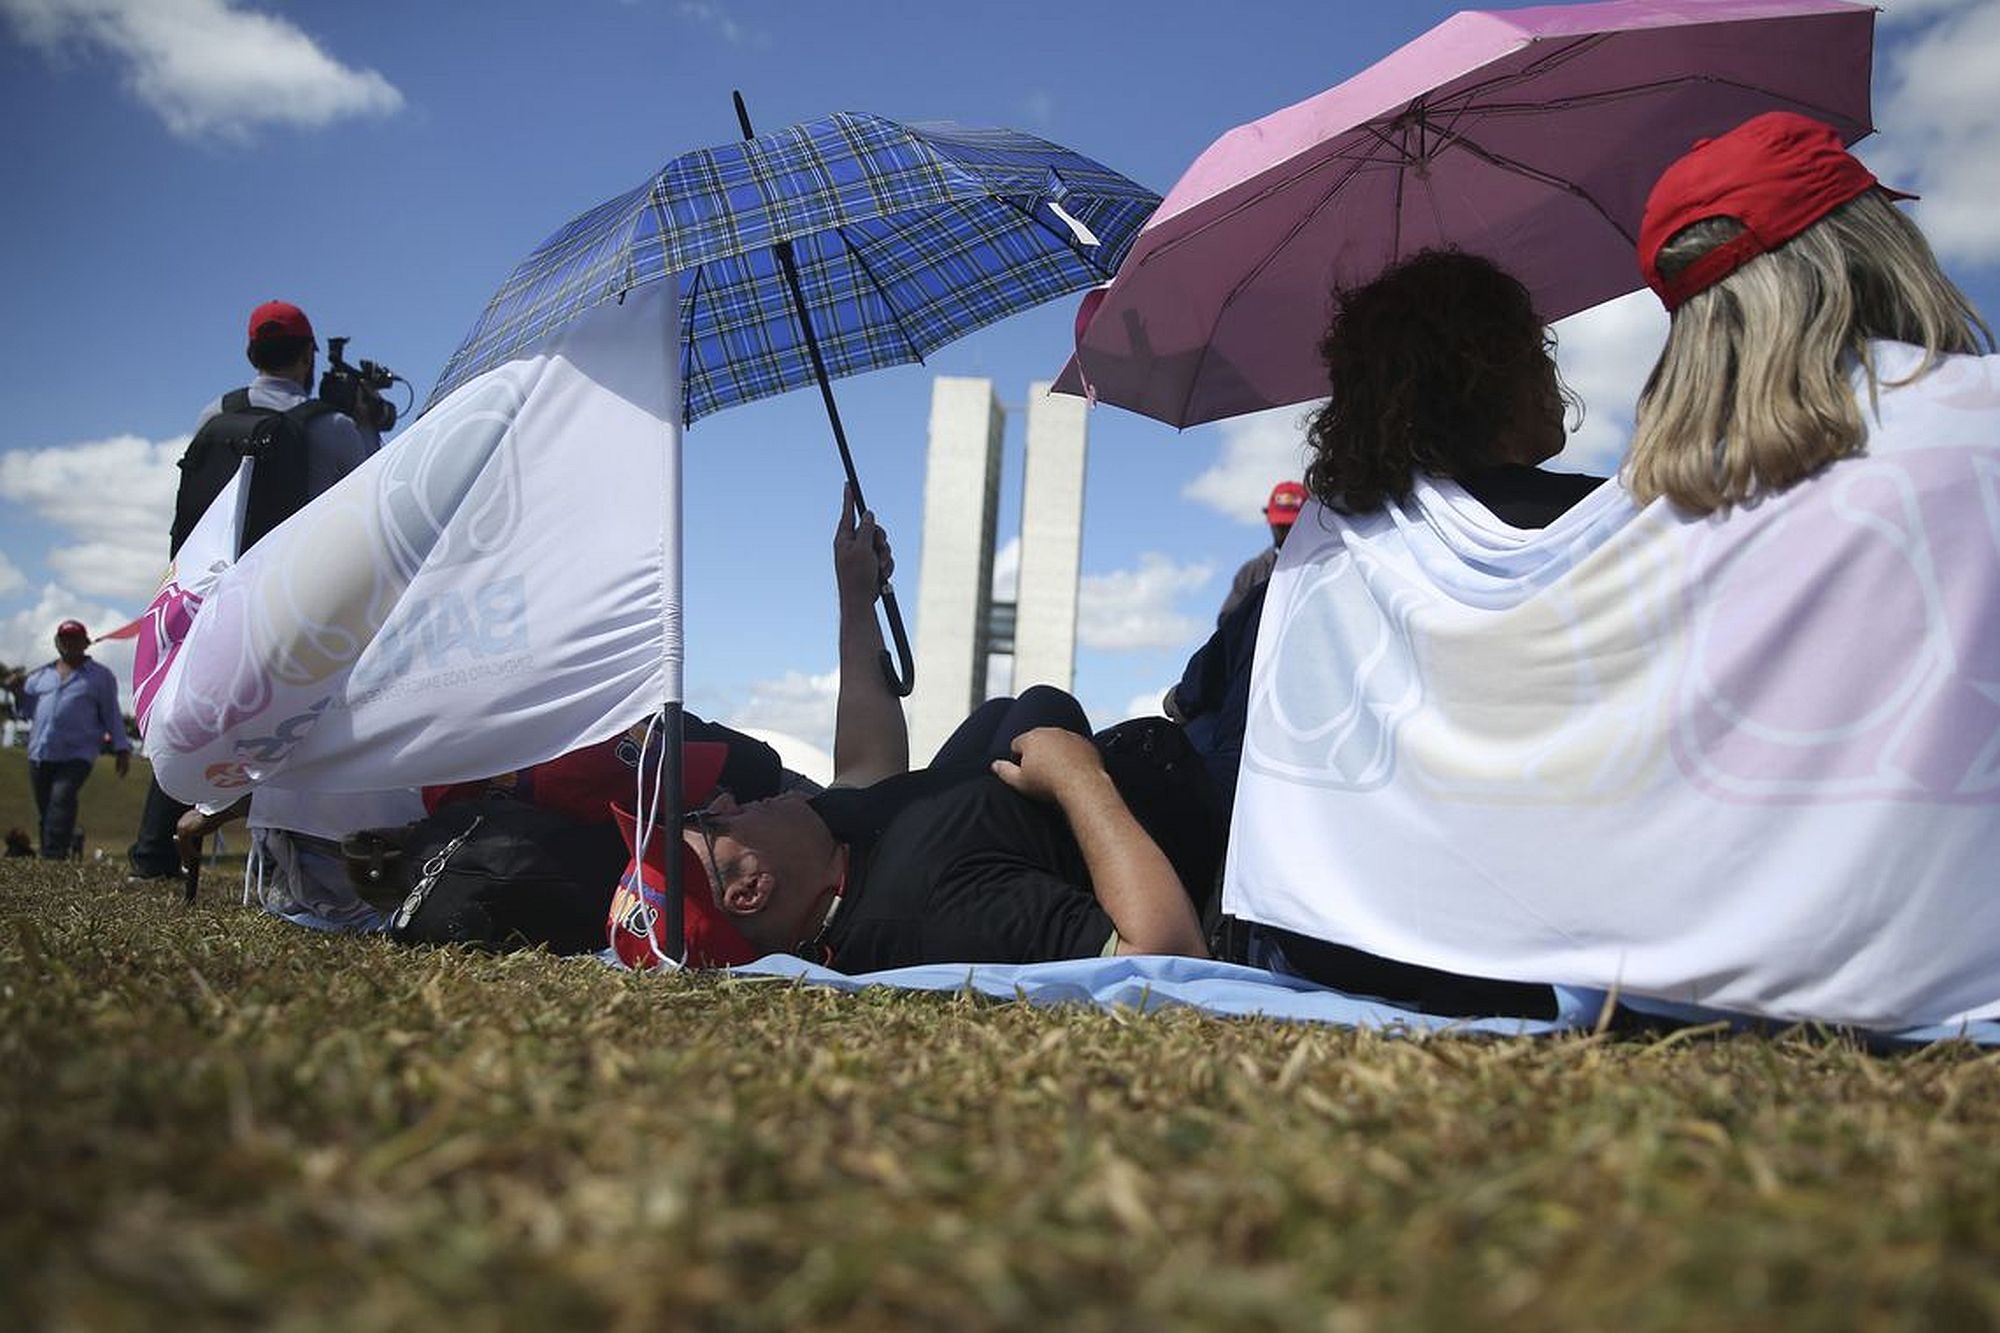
(1439,368)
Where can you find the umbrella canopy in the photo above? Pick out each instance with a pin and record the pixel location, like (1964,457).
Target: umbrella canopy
(1530,136)
(905,237)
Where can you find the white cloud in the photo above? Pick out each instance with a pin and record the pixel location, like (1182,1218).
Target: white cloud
(12,580)
(795,754)
(721,22)
(796,704)
(1134,608)
(1145,705)
(1605,354)
(116,499)
(209,68)
(1007,570)
(1941,122)
(1896,12)
(1258,451)
(27,637)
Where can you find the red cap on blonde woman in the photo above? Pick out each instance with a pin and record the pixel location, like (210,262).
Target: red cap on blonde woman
(1777,174)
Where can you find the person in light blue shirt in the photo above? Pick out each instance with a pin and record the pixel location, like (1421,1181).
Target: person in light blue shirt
(72,704)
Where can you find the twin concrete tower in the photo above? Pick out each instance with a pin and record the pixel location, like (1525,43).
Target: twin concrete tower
(959,624)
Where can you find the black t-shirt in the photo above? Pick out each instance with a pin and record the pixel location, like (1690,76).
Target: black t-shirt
(955,866)
(1528,497)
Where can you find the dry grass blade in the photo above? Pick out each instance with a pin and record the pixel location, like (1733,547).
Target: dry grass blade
(209,1119)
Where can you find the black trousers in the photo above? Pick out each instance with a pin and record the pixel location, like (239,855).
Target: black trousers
(56,784)
(154,854)
(989,732)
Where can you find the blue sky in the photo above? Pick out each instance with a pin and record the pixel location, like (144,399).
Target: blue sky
(167,164)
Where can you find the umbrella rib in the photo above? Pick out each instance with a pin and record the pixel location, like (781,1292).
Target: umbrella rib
(1396,205)
(1610,95)
(687,345)
(1333,189)
(895,315)
(1265,191)
(1534,69)
(1554,182)
(1069,242)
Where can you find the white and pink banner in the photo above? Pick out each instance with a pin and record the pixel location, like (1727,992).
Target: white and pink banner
(1748,762)
(498,586)
(163,626)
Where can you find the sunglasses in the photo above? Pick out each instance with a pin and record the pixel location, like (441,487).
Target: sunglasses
(702,820)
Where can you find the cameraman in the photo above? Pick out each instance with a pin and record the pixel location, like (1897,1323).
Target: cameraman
(283,350)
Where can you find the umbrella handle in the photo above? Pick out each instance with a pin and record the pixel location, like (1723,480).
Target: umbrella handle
(902,680)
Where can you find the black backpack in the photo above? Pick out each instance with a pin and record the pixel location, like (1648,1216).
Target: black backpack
(276,440)
(497,874)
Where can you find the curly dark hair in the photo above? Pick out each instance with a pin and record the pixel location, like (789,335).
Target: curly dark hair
(1431,366)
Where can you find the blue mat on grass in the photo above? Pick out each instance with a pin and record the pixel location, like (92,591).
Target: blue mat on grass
(1226,989)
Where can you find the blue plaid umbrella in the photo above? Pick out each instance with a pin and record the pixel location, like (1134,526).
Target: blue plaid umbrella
(823,249)
(905,237)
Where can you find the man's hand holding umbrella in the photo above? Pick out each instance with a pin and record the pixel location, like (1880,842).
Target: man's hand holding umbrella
(871,738)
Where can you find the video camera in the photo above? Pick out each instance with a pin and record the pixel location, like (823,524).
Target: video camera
(341,387)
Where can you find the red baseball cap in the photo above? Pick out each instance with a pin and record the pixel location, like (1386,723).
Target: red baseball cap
(1777,174)
(279,319)
(71,628)
(1287,498)
(637,924)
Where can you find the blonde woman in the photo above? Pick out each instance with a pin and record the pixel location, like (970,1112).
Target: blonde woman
(1789,274)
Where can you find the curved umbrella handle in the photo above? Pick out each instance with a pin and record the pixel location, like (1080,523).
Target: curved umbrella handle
(904,680)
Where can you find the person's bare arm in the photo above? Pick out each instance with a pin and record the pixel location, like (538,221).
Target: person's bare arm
(1134,882)
(871,739)
(195,825)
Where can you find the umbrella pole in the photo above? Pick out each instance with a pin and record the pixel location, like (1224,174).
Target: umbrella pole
(673,757)
(902,680)
(675,925)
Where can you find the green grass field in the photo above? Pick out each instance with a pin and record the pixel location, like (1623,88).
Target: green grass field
(108,808)
(209,1119)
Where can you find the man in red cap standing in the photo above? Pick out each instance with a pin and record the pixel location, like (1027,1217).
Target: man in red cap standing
(73,704)
(311,446)
(1280,511)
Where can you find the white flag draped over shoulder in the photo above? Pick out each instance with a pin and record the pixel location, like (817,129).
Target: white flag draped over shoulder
(498,586)
(1748,762)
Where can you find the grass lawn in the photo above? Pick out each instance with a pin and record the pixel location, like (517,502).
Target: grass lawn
(108,810)
(209,1119)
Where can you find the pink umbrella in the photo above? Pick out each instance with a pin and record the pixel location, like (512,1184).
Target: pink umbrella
(1530,136)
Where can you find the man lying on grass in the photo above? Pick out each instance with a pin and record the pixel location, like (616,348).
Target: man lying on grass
(1061,849)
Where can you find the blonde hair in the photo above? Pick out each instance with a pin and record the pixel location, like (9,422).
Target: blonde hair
(1751,392)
